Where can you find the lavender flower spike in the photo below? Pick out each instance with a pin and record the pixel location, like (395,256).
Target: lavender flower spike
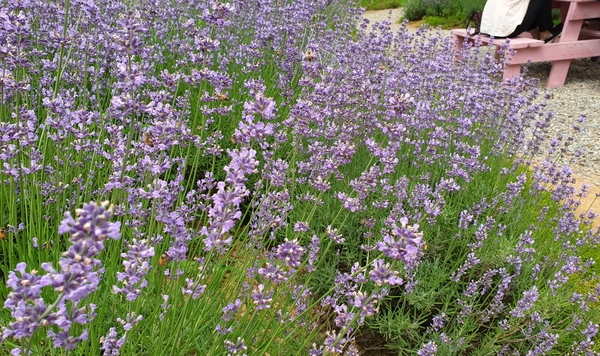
(224,213)
(404,243)
(523,305)
(429,349)
(75,281)
(137,266)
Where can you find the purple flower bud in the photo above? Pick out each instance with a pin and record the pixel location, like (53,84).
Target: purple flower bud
(230,309)
(137,266)
(525,303)
(261,299)
(428,349)
(382,274)
(301,226)
(224,213)
(236,347)
(110,344)
(404,243)
(290,252)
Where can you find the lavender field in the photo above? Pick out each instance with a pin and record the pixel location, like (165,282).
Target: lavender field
(266,177)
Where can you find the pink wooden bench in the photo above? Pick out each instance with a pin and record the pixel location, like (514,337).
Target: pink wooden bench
(522,45)
(574,42)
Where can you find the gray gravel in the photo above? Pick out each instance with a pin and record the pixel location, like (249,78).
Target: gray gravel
(579,96)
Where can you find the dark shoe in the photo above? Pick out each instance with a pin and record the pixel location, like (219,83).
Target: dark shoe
(556,31)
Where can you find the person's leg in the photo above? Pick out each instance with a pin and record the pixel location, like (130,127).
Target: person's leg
(544,21)
(539,14)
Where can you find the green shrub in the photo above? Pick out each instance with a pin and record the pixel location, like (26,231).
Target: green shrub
(380,4)
(437,7)
(455,12)
(445,22)
(414,10)
(468,6)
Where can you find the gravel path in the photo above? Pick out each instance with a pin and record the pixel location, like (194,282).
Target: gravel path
(579,96)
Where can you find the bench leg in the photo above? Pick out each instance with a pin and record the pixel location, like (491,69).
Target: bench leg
(513,70)
(459,42)
(558,73)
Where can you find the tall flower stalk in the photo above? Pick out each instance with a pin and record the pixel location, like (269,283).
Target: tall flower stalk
(78,277)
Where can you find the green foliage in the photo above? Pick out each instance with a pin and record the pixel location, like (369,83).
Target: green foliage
(414,10)
(556,16)
(381,4)
(448,22)
(445,13)
(468,6)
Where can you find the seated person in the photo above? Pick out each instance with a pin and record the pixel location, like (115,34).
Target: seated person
(510,18)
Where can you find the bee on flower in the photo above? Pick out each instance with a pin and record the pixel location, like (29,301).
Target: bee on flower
(163,260)
(148,139)
(309,56)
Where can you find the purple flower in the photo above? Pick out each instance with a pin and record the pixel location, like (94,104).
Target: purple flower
(230,309)
(351,350)
(352,204)
(590,331)
(586,346)
(91,224)
(222,331)
(301,226)
(137,266)
(471,261)
(545,342)
(233,348)
(164,306)
(382,274)
(438,322)
(343,317)
(218,13)
(316,351)
(110,344)
(130,320)
(428,349)
(273,273)
(272,210)
(290,252)
(193,288)
(334,343)
(261,106)
(525,303)
(224,213)
(261,299)
(313,253)
(403,243)
(78,278)
(365,304)
(249,130)
(334,235)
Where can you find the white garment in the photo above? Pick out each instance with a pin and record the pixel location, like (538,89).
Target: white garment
(500,18)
